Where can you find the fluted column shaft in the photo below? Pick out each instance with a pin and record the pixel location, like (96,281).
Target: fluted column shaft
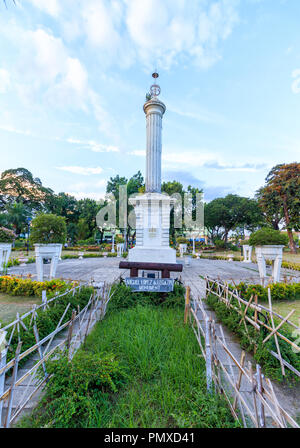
(154,110)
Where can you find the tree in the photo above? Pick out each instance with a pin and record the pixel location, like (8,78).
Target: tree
(270,205)
(17,216)
(83,231)
(133,186)
(223,215)
(48,229)
(282,190)
(19,185)
(88,209)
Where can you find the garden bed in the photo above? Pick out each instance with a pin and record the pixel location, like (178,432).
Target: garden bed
(140,367)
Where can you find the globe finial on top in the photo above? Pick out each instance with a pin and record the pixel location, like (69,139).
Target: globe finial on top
(155,89)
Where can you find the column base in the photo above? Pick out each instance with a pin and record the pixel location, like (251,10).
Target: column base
(152,255)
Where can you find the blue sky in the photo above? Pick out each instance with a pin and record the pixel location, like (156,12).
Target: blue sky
(74,74)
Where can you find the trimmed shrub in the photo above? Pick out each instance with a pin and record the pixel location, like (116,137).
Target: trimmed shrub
(6,235)
(220,244)
(123,297)
(48,229)
(268,236)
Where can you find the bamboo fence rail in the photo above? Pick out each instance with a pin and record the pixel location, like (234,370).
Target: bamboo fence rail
(67,337)
(250,396)
(263,318)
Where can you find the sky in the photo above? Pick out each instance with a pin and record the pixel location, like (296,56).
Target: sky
(74,75)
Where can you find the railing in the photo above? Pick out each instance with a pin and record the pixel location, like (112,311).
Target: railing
(231,298)
(250,396)
(68,336)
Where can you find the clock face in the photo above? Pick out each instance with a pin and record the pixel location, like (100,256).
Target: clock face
(155,90)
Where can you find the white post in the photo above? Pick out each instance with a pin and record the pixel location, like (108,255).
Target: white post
(53,265)
(208,355)
(39,268)
(194,245)
(2,380)
(113,243)
(44,299)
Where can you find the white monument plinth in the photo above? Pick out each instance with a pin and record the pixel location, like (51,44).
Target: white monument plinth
(247,252)
(5,250)
(152,209)
(43,251)
(269,252)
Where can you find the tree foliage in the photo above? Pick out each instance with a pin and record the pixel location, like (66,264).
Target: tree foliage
(18,185)
(48,229)
(282,193)
(223,215)
(267,236)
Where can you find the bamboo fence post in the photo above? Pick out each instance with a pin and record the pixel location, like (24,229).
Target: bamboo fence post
(246,309)
(233,378)
(44,299)
(89,319)
(255,310)
(261,409)
(254,386)
(37,339)
(239,381)
(278,327)
(275,334)
(70,332)
(3,354)
(276,404)
(12,387)
(208,354)
(187,303)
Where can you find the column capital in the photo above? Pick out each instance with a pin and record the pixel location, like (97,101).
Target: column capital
(154,105)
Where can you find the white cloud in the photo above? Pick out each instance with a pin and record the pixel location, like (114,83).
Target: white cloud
(97,196)
(93,146)
(149,32)
(138,153)
(4,80)
(296,83)
(84,171)
(50,7)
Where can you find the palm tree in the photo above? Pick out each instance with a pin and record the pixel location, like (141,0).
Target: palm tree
(16,216)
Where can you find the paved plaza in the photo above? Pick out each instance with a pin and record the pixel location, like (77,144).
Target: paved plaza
(107,269)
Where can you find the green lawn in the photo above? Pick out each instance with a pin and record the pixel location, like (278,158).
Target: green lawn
(164,386)
(284,308)
(11,305)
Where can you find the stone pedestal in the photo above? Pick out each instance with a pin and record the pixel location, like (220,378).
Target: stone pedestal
(182,249)
(152,212)
(5,250)
(247,252)
(43,251)
(120,249)
(273,253)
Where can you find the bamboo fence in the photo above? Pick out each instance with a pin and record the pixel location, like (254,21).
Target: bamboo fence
(250,396)
(67,337)
(263,318)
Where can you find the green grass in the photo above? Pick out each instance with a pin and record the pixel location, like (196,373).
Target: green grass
(284,308)
(11,305)
(164,386)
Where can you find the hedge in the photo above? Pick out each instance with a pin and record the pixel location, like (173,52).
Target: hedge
(262,354)
(279,291)
(46,321)
(25,287)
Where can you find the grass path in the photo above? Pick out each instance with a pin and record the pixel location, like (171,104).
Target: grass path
(11,305)
(165,383)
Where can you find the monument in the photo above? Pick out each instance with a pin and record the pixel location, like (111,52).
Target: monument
(152,209)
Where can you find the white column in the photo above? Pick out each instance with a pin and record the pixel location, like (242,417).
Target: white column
(154,110)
